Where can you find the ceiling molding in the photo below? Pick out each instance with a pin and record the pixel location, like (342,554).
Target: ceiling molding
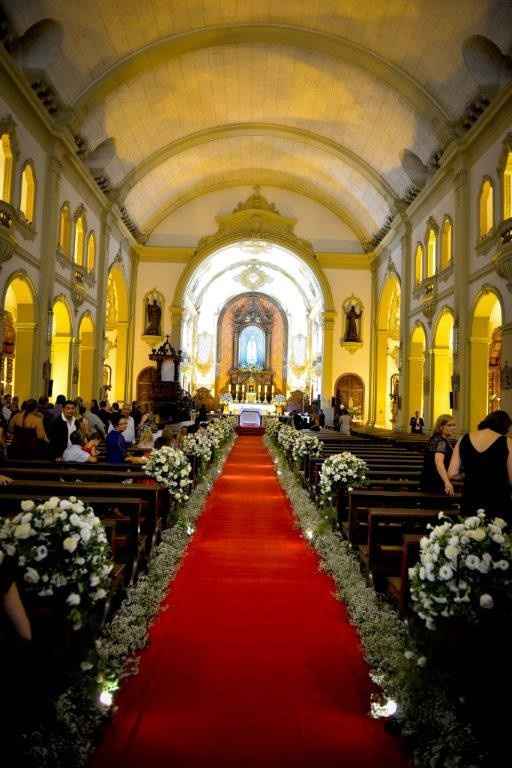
(228,131)
(265,178)
(413,92)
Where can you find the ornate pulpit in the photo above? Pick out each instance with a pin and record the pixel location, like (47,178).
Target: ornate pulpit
(168,398)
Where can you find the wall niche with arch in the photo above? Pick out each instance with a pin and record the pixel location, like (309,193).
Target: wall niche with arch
(349,391)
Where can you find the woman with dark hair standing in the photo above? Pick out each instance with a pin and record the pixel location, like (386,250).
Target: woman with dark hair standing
(29,439)
(485,458)
(436,460)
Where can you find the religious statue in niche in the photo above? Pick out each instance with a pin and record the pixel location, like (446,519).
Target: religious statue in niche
(353,310)
(152,316)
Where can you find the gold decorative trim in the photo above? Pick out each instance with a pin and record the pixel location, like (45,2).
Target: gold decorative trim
(351,346)
(248,225)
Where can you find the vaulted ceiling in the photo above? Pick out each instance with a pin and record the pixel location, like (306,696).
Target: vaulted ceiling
(321,97)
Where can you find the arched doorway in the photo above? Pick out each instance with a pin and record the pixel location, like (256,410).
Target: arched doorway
(417,351)
(145,382)
(86,350)
(487,319)
(60,348)
(116,332)
(349,391)
(388,346)
(18,341)
(442,365)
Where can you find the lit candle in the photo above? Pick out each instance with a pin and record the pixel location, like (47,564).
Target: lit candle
(272,389)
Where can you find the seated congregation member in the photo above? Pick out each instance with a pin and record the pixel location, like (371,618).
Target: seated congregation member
(92,444)
(55,412)
(105,413)
(11,605)
(146,439)
(76,452)
(61,430)
(29,439)
(129,433)
(485,458)
(117,447)
(436,460)
(416,424)
(6,408)
(167,438)
(92,415)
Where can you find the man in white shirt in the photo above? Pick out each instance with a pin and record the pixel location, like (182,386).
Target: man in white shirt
(75,452)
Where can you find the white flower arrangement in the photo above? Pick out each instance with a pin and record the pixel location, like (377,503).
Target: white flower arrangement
(465,570)
(287,437)
(272,427)
(341,470)
(279,400)
(305,445)
(62,551)
(226,398)
(198,445)
(170,467)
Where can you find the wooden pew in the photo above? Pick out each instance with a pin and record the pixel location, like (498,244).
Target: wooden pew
(156,496)
(126,521)
(380,557)
(397,587)
(362,499)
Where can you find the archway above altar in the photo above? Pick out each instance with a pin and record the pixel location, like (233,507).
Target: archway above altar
(252,320)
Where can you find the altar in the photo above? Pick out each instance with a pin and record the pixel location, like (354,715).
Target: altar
(262,409)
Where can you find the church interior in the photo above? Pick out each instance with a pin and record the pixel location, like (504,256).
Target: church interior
(262,214)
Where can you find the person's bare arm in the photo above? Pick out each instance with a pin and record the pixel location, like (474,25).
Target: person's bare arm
(454,468)
(441,469)
(16,613)
(509,459)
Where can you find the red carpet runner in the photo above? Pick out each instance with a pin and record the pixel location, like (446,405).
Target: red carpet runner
(254,664)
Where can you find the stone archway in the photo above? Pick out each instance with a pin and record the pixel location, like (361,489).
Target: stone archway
(349,391)
(486,319)
(19,318)
(388,341)
(258,221)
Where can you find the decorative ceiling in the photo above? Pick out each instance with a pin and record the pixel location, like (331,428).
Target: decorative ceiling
(327,94)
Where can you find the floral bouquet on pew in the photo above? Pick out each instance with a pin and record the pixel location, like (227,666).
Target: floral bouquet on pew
(272,427)
(197,445)
(62,552)
(170,467)
(305,445)
(287,437)
(341,471)
(464,572)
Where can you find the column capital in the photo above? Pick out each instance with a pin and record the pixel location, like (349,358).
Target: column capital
(328,317)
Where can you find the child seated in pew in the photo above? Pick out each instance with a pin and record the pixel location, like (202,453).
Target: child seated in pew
(91,445)
(117,447)
(76,451)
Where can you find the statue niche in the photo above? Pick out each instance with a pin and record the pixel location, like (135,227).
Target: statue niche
(353,310)
(152,315)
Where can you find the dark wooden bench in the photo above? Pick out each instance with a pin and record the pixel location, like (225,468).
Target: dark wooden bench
(398,587)
(380,557)
(361,500)
(126,520)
